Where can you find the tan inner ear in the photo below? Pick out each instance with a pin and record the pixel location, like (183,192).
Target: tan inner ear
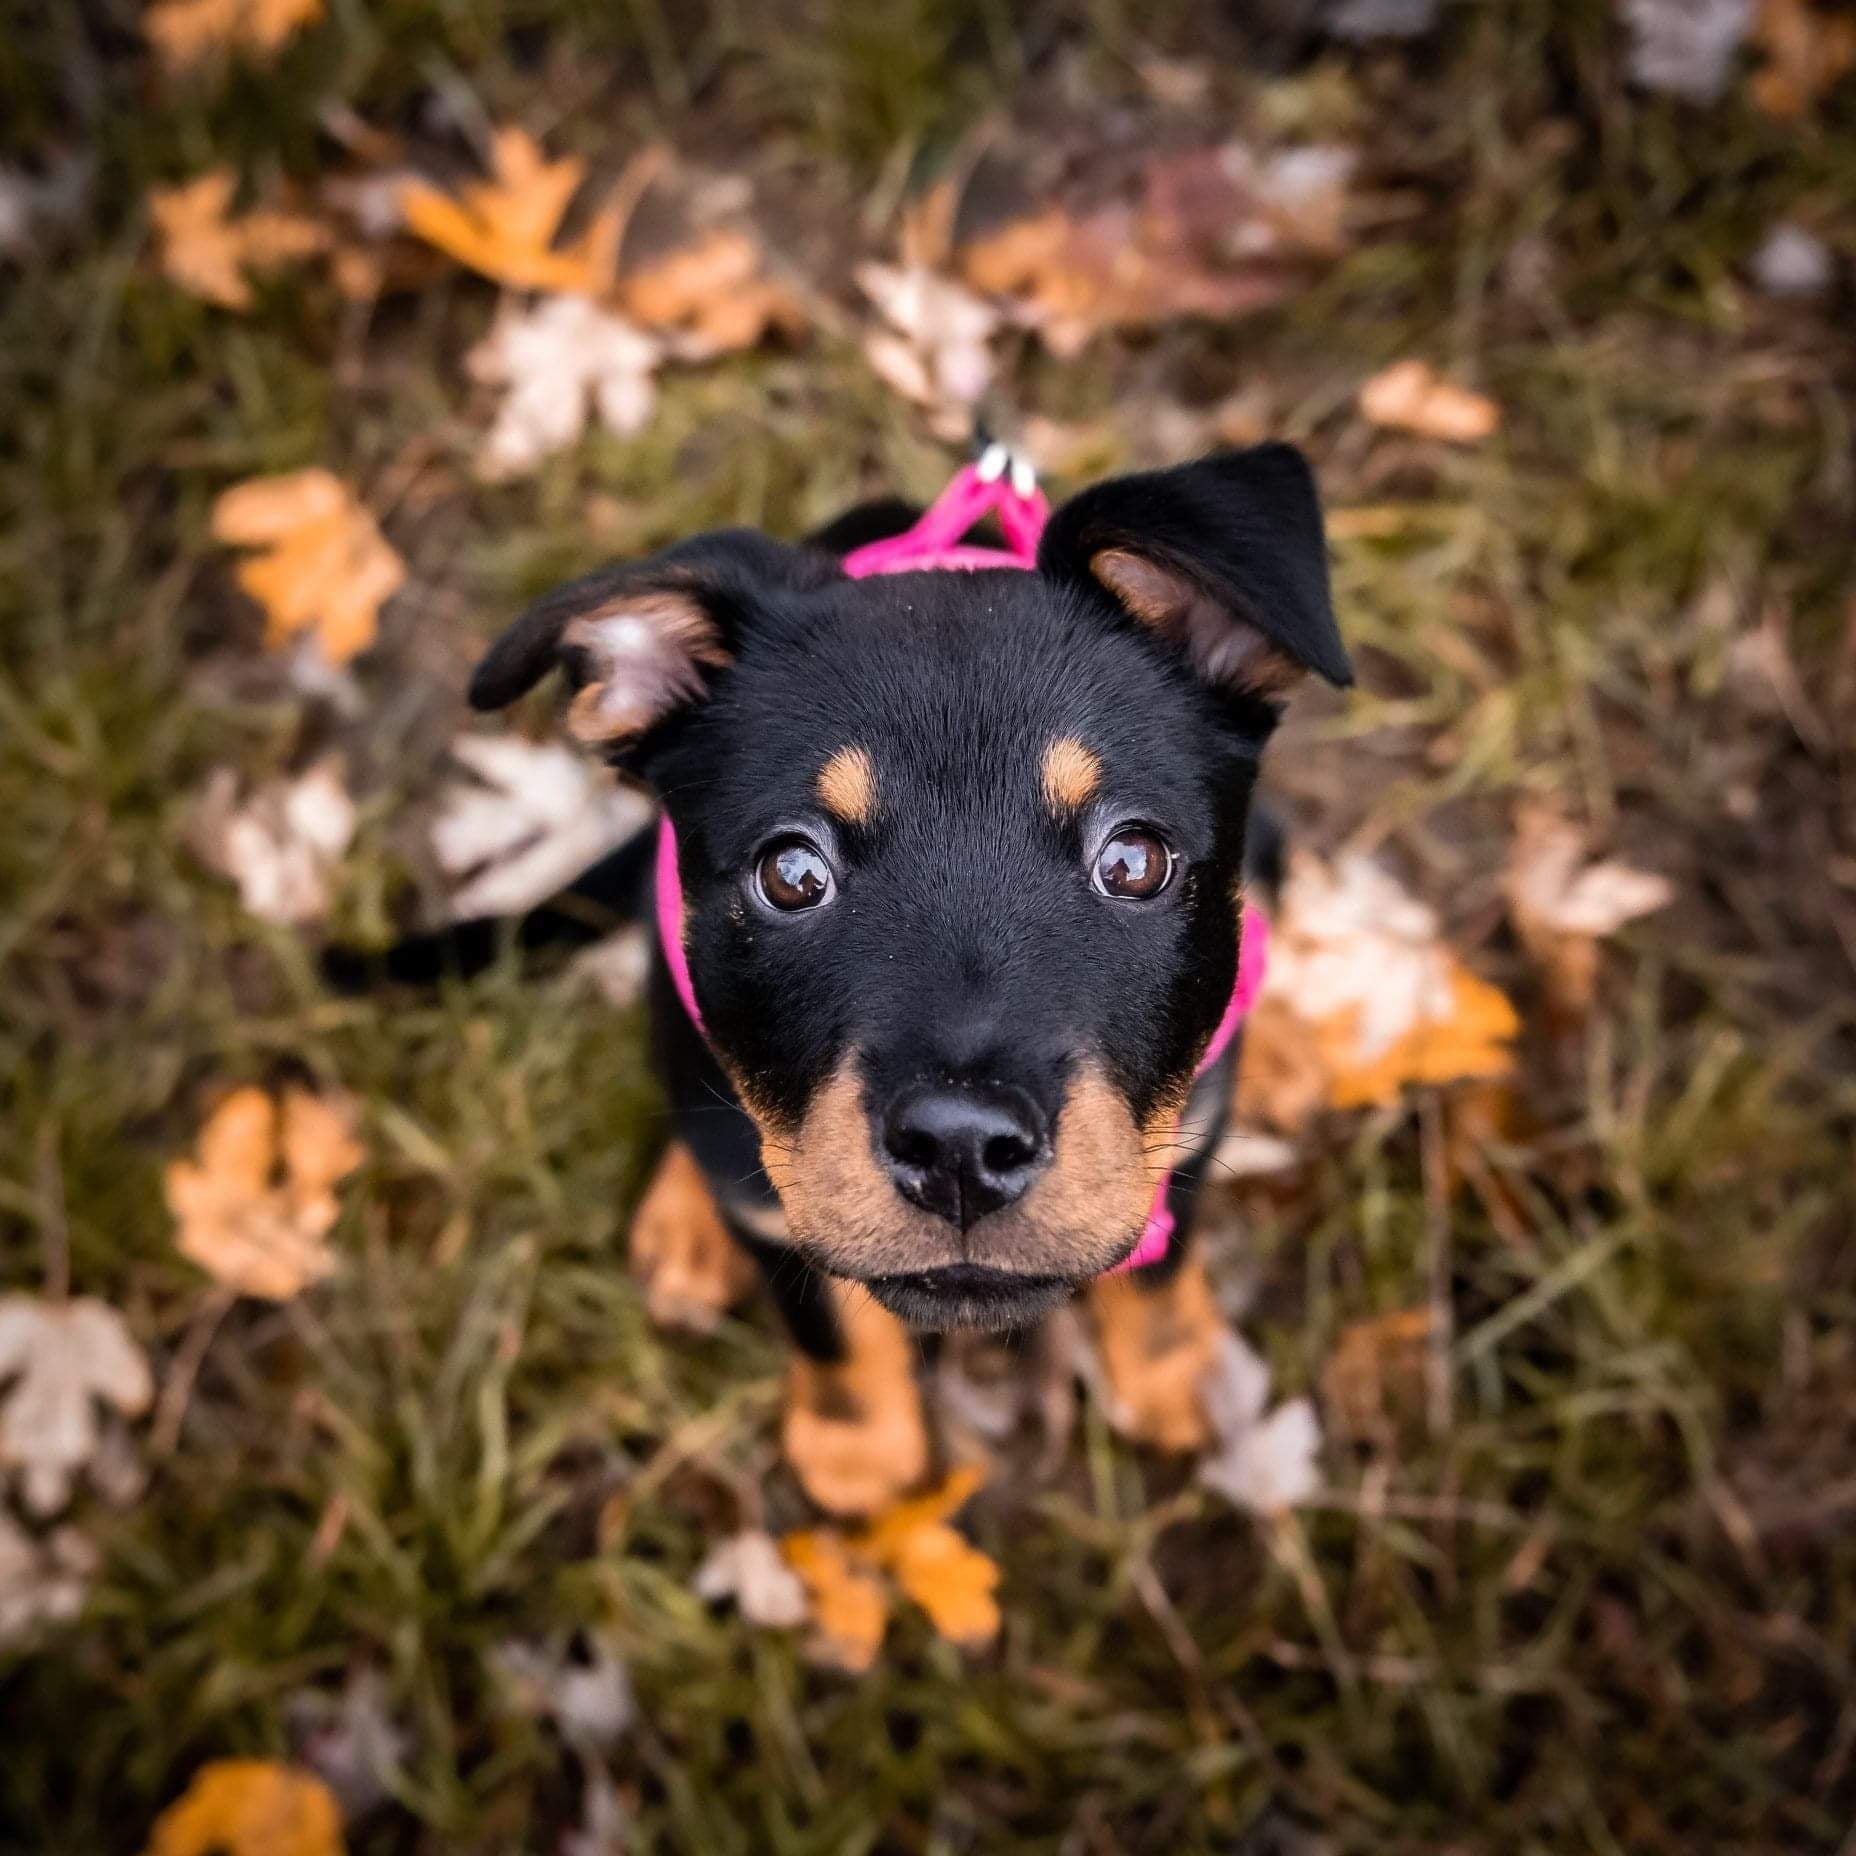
(646,653)
(1224,648)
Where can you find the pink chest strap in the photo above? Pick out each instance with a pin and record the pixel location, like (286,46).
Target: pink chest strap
(994,484)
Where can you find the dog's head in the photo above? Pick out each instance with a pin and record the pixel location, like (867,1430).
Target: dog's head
(961,852)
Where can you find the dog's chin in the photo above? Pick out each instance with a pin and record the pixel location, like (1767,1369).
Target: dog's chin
(969,1295)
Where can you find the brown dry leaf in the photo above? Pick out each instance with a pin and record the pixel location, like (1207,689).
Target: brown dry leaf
(60,1361)
(1282,1081)
(1381,1001)
(207,249)
(1376,1372)
(250,1807)
(324,567)
(1215,231)
(505,226)
(1413,397)
(850,1608)
(1809,50)
(1562,905)
(187,33)
(713,295)
(256,1204)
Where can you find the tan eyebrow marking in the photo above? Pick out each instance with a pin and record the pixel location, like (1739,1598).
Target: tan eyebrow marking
(1071,775)
(847,786)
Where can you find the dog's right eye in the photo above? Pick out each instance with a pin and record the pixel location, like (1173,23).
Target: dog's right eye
(793,874)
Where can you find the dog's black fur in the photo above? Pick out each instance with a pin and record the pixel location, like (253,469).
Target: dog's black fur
(965,958)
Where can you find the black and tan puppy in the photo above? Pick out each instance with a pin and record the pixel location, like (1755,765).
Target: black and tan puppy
(961,856)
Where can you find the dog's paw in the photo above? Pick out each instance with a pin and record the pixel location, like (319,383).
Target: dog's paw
(855,1431)
(691,1270)
(1157,1345)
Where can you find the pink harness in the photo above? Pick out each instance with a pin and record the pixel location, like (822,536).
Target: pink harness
(1002,485)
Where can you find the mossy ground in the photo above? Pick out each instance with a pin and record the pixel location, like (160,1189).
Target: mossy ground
(1610,1604)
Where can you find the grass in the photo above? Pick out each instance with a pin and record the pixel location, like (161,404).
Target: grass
(1607,1602)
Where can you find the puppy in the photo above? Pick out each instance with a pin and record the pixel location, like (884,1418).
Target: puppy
(960,857)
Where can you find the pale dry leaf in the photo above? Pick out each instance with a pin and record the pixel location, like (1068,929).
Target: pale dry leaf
(1272,1466)
(605,1824)
(30,204)
(936,351)
(749,1568)
(322,567)
(249,1807)
(1562,904)
(558,363)
(189,33)
(1253,1153)
(534,817)
(1413,397)
(616,966)
(1381,999)
(283,845)
(42,1581)
(256,1203)
(1793,263)
(505,226)
(350,1740)
(1685,48)
(60,1363)
(208,249)
(589,1698)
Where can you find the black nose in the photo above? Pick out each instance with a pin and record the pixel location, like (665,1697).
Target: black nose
(961,1153)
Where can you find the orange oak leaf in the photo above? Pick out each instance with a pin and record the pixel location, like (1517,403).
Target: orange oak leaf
(850,1608)
(323,565)
(250,1807)
(505,226)
(188,33)
(1808,49)
(207,249)
(1414,397)
(257,1202)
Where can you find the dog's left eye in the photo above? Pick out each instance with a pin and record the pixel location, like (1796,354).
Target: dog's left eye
(1134,865)
(793,874)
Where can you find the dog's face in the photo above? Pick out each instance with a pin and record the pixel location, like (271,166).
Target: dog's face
(961,853)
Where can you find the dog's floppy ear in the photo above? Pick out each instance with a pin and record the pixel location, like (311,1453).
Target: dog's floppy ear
(641,640)
(1224,558)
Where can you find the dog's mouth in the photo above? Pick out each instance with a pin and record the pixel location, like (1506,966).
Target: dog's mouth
(970,1295)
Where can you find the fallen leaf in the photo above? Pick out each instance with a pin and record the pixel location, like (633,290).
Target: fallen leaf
(1376,1372)
(748,1568)
(617,966)
(1261,1461)
(1282,1078)
(323,567)
(256,1204)
(1380,999)
(712,293)
(283,845)
(1562,905)
(1809,50)
(187,33)
(1413,397)
(54,198)
(533,817)
(249,1807)
(505,226)
(64,1360)
(588,1697)
(1792,263)
(936,350)
(1685,48)
(952,1580)
(557,363)
(350,1741)
(41,1581)
(849,1607)
(208,250)
(605,1824)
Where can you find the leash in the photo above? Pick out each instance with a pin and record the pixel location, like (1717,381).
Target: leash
(996,484)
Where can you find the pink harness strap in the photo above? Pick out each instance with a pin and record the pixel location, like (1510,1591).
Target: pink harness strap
(998,484)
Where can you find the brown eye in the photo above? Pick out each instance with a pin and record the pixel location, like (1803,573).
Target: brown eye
(793,874)
(1134,864)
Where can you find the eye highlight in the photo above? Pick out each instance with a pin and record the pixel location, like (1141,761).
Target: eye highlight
(1135,865)
(793,874)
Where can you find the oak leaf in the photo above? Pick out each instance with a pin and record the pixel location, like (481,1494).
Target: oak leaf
(1414,397)
(849,1607)
(187,33)
(322,567)
(1261,1460)
(256,1204)
(250,1807)
(63,1360)
(207,249)
(748,1567)
(935,350)
(1809,50)
(282,845)
(505,226)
